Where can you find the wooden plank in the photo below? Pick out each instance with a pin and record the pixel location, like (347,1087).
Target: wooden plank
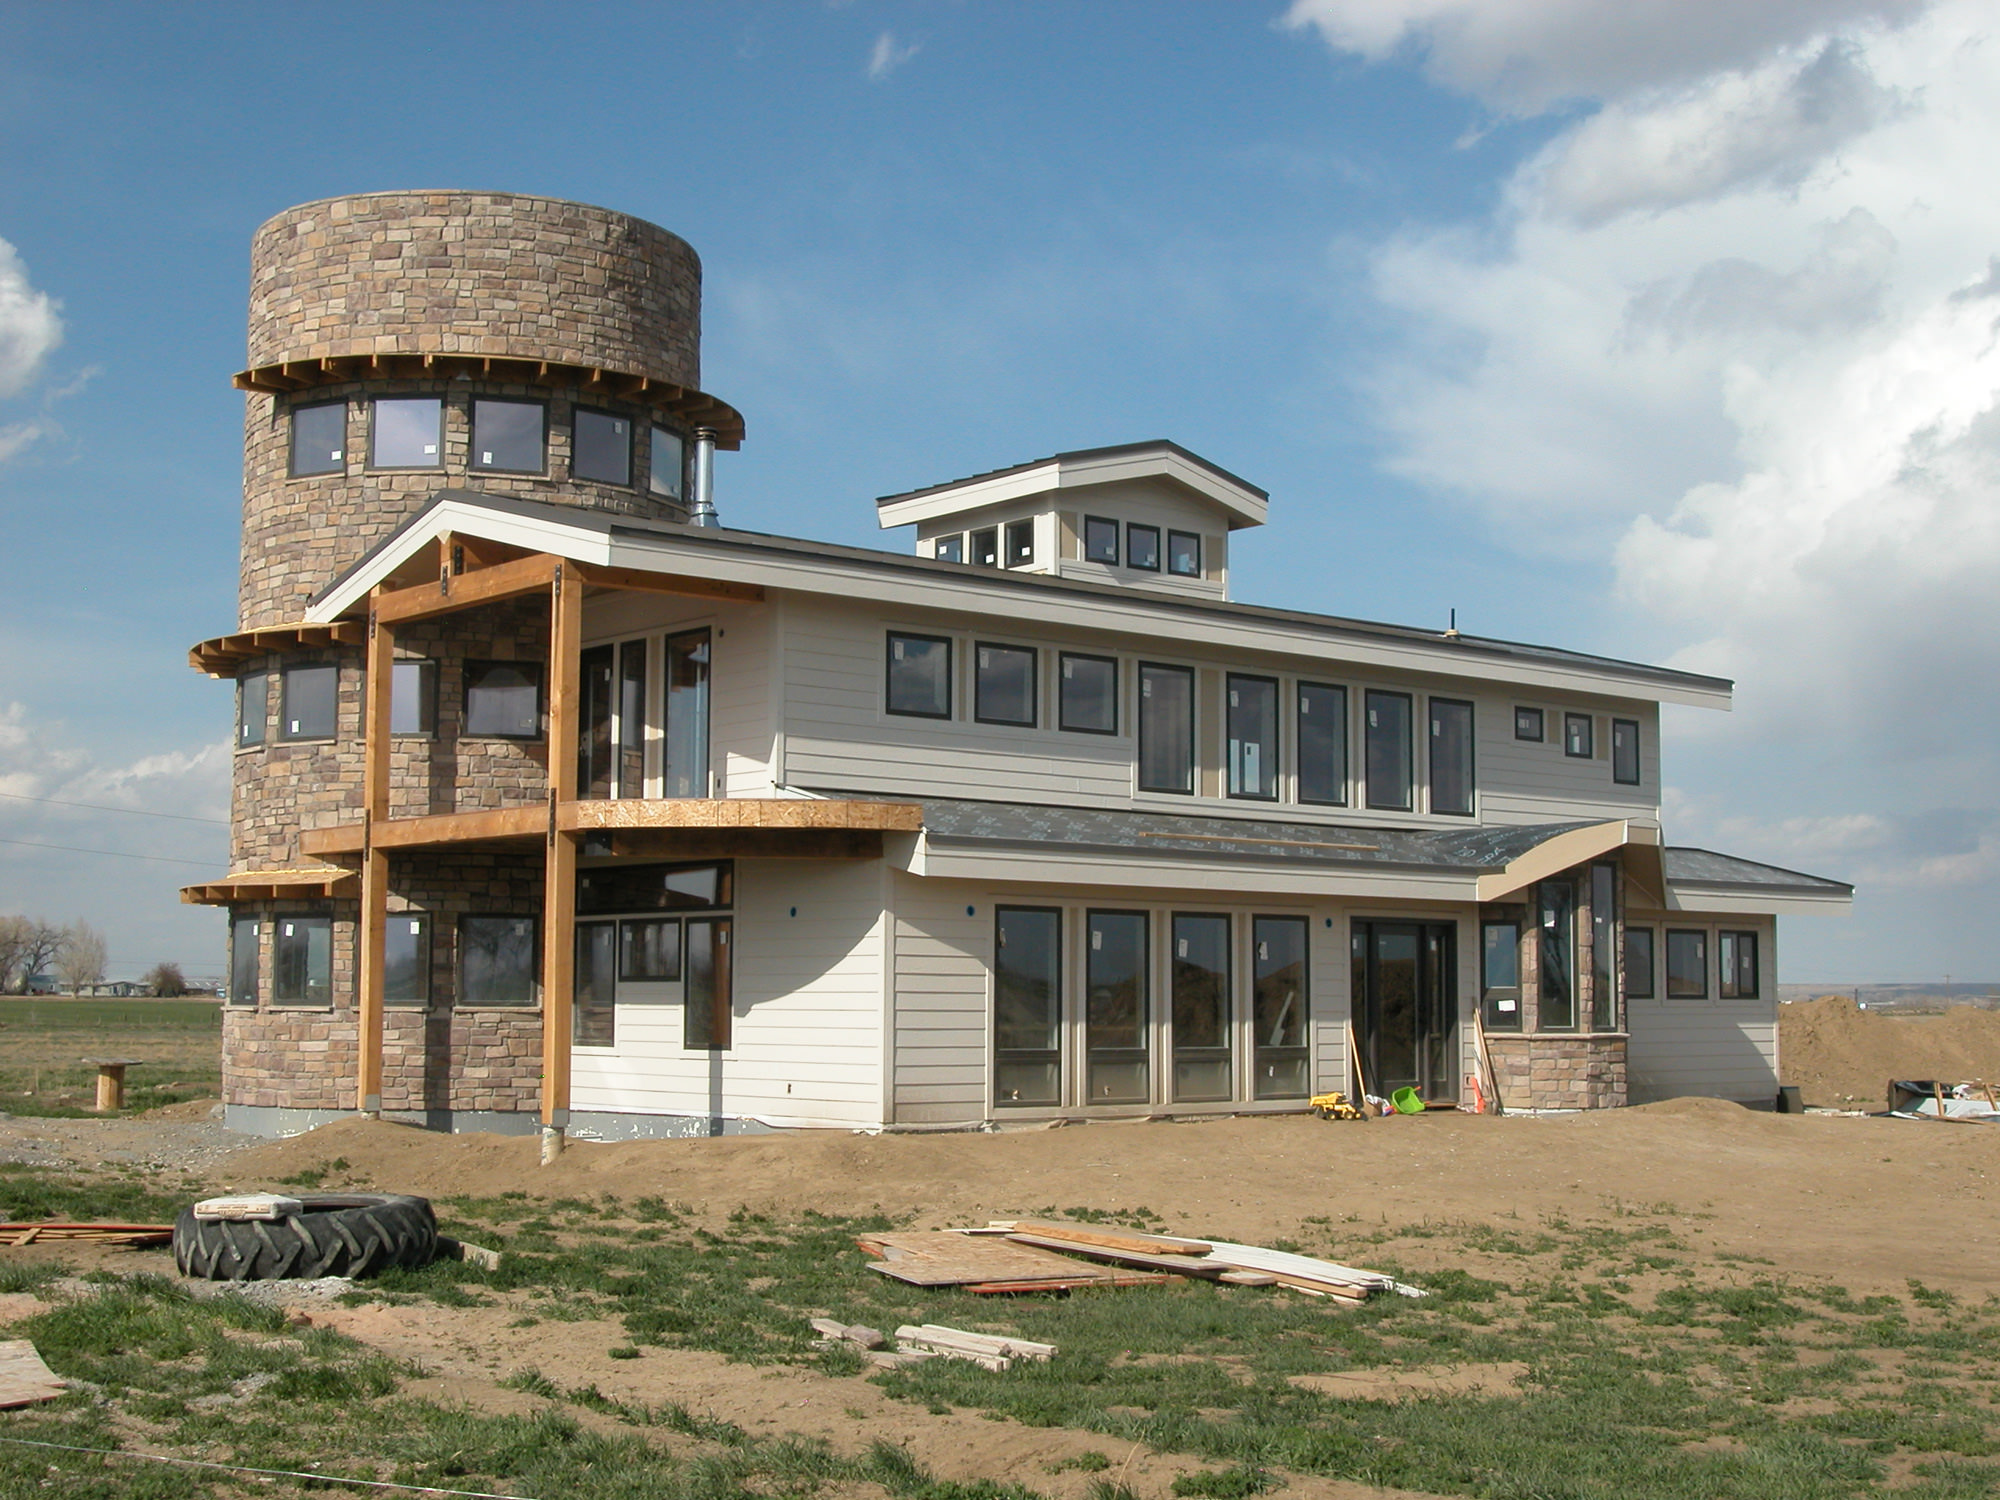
(380,688)
(506,580)
(738,812)
(748,843)
(947,1259)
(984,1343)
(1111,1239)
(641,581)
(1070,1284)
(1199,1266)
(559,867)
(24,1379)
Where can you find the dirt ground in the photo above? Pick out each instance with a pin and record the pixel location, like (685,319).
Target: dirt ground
(1843,1057)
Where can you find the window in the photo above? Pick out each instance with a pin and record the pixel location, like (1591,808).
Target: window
(1451,757)
(1279,1008)
(1100,540)
(302,961)
(406,959)
(1639,963)
(594,675)
(949,548)
(319,439)
(496,960)
(594,1006)
(1166,728)
(600,447)
(1528,724)
(1625,751)
(509,436)
(684,761)
(1603,947)
(1389,750)
(1558,955)
(1687,965)
(311,699)
(1003,685)
(1737,954)
(1116,1006)
(647,888)
(406,433)
(664,472)
(706,989)
(632,719)
(1578,741)
(1322,744)
(1184,554)
(1027,1005)
(1142,547)
(1020,543)
(649,950)
(1253,737)
(920,675)
(503,699)
(1201,988)
(253,708)
(413,697)
(986,547)
(1088,694)
(245,934)
(1500,974)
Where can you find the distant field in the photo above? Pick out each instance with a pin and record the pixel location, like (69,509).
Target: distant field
(43,1043)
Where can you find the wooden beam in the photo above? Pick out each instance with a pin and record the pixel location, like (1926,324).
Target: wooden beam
(745,843)
(739,812)
(380,689)
(559,866)
(482,586)
(641,580)
(435,829)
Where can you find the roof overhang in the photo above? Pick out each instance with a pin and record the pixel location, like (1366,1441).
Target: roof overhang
(224,655)
(1565,852)
(304,883)
(1241,503)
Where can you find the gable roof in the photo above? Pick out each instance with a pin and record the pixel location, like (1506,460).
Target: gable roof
(1239,500)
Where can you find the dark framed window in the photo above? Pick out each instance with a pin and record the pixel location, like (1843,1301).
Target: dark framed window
(1389,749)
(1004,685)
(1117,1005)
(685,766)
(1184,554)
(593,1016)
(406,958)
(1500,973)
(1100,540)
(1322,731)
(1603,947)
(1020,544)
(949,548)
(1528,724)
(649,949)
(1579,740)
(1166,728)
(309,705)
(919,675)
(632,658)
(1253,737)
(1200,990)
(1639,963)
(1625,751)
(1142,550)
(253,708)
(666,466)
(245,938)
(406,432)
(1027,1005)
(986,547)
(1687,965)
(1278,1009)
(1736,957)
(496,960)
(648,888)
(600,446)
(1087,693)
(1452,778)
(319,439)
(413,697)
(1558,955)
(596,670)
(706,1004)
(302,961)
(509,437)
(503,699)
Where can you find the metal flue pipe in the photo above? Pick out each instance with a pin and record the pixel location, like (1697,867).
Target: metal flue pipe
(701,511)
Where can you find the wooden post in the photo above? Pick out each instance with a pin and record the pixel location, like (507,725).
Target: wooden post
(111,1081)
(374,863)
(559,866)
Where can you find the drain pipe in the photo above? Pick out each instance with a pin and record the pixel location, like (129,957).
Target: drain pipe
(702,511)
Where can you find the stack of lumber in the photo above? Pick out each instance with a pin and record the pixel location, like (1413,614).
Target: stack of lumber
(1242,1265)
(133,1236)
(918,1342)
(988,1264)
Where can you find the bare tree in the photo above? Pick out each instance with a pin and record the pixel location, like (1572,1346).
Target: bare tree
(13,948)
(166,980)
(80,960)
(27,944)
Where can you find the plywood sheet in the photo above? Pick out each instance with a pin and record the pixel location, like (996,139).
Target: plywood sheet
(942,1258)
(24,1379)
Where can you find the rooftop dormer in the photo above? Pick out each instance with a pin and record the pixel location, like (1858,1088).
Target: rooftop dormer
(1141,515)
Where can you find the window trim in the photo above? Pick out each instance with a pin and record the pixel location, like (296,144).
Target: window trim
(425,961)
(1116,539)
(374,427)
(1471,808)
(1193,734)
(888,662)
(1259,1051)
(972,547)
(1638,761)
(1588,739)
(263,735)
(1034,655)
(1346,745)
(238,921)
(577,411)
(1651,934)
(1158,549)
(1409,802)
(337,466)
(1229,681)
(1173,537)
(285,736)
(1700,935)
(278,921)
(955,540)
(1009,533)
(459,999)
(472,464)
(465,684)
(1726,987)
(1062,722)
(1523,717)
(1061,1007)
(1574,999)
(1490,995)
(678,494)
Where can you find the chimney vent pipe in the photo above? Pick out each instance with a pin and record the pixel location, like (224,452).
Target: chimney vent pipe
(702,511)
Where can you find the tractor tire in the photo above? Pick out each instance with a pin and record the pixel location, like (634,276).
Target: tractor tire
(333,1234)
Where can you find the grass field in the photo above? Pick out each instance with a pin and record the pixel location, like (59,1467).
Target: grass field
(43,1043)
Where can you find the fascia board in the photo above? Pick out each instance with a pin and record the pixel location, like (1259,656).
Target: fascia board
(1564,851)
(1695,900)
(969,496)
(1250,509)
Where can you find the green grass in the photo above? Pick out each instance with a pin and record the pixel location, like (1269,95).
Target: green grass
(43,1043)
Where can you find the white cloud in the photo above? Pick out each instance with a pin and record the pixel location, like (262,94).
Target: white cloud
(888,55)
(29,327)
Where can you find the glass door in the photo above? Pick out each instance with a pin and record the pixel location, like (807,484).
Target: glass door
(1116,1008)
(1201,980)
(1405,1015)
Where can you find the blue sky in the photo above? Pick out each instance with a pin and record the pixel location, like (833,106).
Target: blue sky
(1655,330)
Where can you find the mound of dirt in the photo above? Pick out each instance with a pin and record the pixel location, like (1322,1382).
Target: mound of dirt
(1843,1057)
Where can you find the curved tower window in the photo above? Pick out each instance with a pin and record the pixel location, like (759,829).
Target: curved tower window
(601,447)
(668,463)
(509,437)
(319,438)
(406,432)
